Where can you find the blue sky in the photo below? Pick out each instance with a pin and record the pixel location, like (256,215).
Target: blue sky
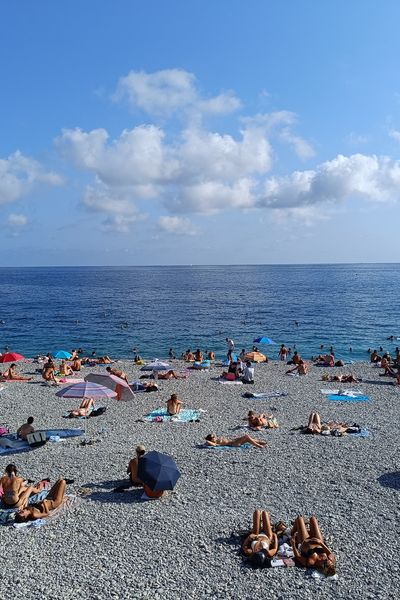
(199,132)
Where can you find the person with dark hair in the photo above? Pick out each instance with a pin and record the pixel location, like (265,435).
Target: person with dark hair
(15,490)
(133,465)
(117,373)
(12,374)
(301,368)
(48,373)
(42,509)
(261,545)
(25,429)
(213,440)
(309,548)
(174,405)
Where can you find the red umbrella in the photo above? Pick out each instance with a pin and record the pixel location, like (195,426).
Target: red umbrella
(11,357)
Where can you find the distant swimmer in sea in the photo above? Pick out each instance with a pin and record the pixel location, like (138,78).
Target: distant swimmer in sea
(213,440)
(11,374)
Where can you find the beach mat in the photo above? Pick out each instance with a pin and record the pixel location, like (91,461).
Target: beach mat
(17,446)
(243,447)
(340,392)
(186,415)
(227,382)
(345,398)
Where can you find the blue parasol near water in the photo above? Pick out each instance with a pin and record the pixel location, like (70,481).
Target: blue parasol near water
(263,340)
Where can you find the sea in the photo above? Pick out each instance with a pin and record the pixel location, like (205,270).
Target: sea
(123,310)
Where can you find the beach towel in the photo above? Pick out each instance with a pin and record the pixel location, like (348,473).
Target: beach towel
(341,392)
(160,415)
(15,445)
(345,398)
(70,501)
(243,447)
(262,395)
(227,382)
(94,412)
(7,514)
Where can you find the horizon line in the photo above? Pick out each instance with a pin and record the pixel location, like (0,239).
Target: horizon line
(198,265)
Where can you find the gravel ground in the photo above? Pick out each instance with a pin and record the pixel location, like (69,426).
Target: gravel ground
(184,545)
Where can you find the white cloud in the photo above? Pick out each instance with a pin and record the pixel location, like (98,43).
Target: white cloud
(17,220)
(395,134)
(167,91)
(19,174)
(211,196)
(176,225)
(373,178)
(302,148)
(357,139)
(119,210)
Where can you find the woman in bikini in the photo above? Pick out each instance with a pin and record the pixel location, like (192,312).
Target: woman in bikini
(174,405)
(214,440)
(85,408)
(261,544)
(309,547)
(314,426)
(257,422)
(42,509)
(48,372)
(65,369)
(15,490)
(12,375)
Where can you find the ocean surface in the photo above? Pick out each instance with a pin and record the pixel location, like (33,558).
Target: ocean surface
(114,310)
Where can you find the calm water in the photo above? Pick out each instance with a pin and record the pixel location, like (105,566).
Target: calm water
(114,309)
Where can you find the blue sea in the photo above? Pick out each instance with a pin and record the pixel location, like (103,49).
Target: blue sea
(114,310)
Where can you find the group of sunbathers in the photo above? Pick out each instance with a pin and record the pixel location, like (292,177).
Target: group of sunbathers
(309,549)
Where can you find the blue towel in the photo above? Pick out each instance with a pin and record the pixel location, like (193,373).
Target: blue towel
(185,416)
(362,433)
(23,446)
(339,398)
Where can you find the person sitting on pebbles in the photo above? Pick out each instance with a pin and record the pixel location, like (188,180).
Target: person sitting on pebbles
(16,491)
(26,429)
(42,509)
(133,465)
(309,548)
(260,421)
(64,369)
(48,373)
(174,405)
(301,368)
(12,374)
(261,544)
(213,440)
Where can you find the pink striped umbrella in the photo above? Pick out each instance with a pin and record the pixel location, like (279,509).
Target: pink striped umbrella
(86,389)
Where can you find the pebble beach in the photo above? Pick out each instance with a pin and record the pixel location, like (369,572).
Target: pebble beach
(187,544)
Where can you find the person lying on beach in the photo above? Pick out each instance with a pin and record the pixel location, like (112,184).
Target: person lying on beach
(11,374)
(171,374)
(258,422)
(314,426)
(326,360)
(42,509)
(309,548)
(349,378)
(138,386)
(48,372)
(213,440)
(25,429)
(102,360)
(174,405)
(301,368)
(133,465)
(16,492)
(64,369)
(117,373)
(261,544)
(86,407)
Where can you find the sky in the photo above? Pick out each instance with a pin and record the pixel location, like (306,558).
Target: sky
(199,132)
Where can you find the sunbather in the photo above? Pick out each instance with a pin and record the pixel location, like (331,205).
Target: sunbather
(349,378)
(171,374)
(42,509)
(257,422)
(86,407)
(16,492)
(76,364)
(104,360)
(314,426)
(25,429)
(309,547)
(132,469)
(174,405)
(118,373)
(48,372)
(64,369)
(327,360)
(12,375)
(213,440)
(301,368)
(261,544)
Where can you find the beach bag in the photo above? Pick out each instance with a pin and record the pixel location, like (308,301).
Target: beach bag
(4,430)
(230,376)
(36,439)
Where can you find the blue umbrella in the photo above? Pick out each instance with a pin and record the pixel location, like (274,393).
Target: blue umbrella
(62,354)
(263,340)
(158,471)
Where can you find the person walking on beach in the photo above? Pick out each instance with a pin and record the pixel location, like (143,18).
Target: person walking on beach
(231,346)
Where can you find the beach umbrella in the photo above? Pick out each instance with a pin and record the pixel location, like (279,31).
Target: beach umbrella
(11,357)
(263,340)
(86,389)
(158,471)
(157,365)
(62,354)
(255,356)
(112,382)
